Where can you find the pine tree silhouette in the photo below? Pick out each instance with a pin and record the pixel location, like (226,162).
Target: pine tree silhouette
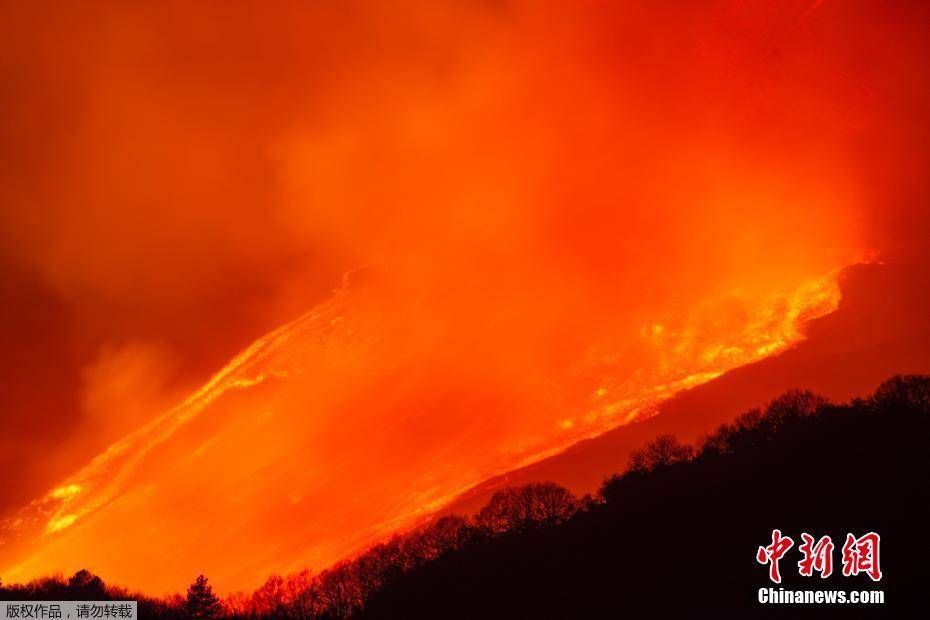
(202,602)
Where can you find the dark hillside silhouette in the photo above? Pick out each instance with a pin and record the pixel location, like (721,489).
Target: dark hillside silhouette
(676,535)
(86,586)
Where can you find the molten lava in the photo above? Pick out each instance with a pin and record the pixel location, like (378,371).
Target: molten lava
(356,420)
(566,213)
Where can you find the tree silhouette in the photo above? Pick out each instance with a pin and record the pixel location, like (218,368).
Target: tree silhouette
(549,504)
(87,586)
(271,598)
(339,589)
(790,407)
(300,595)
(201,601)
(382,564)
(663,451)
(447,534)
(516,509)
(903,394)
(239,605)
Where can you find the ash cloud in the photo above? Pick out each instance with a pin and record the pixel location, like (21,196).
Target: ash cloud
(190,177)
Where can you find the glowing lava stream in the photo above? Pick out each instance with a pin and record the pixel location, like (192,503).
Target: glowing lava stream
(330,432)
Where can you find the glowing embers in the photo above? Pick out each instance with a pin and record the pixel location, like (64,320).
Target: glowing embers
(66,491)
(60,523)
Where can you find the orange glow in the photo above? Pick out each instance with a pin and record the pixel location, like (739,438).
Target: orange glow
(551,217)
(359,419)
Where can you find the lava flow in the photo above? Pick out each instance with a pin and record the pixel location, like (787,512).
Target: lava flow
(355,421)
(563,213)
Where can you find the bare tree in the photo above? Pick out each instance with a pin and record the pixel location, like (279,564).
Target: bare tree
(501,514)
(519,508)
(663,451)
(789,407)
(550,503)
(300,595)
(903,393)
(238,605)
(382,564)
(339,589)
(270,599)
(447,534)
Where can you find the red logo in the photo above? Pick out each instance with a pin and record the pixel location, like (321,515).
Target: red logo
(773,553)
(817,557)
(860,555)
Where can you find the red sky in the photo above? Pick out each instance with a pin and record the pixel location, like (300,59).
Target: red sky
(178,180)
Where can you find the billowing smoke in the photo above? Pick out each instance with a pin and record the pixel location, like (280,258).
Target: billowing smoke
(549,203)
